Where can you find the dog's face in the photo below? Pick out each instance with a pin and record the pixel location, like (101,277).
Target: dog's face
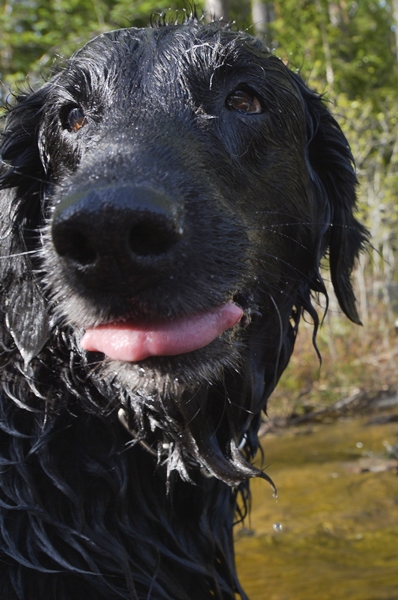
(178,189)
(180,192)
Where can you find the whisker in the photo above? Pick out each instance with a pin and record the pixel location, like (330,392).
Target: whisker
(11,170)
(17,254)
(287,264)
(322,224)
(280,342)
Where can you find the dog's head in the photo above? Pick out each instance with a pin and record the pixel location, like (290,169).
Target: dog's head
(169,194)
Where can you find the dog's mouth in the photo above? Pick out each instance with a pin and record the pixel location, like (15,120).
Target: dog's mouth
(136,341)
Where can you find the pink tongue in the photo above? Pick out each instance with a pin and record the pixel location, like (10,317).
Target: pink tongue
(132,342)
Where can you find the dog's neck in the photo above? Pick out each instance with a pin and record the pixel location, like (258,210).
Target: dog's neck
(112,496)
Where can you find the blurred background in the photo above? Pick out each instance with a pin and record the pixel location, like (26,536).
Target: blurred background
(331,442)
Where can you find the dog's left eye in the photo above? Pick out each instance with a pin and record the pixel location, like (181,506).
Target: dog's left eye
(244,101)
(75,119)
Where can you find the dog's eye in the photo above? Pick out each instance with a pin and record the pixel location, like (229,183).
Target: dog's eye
(244,101)
(75,119)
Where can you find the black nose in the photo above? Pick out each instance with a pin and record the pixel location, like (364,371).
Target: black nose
(116,225)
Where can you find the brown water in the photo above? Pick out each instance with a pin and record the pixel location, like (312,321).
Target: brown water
(333,531)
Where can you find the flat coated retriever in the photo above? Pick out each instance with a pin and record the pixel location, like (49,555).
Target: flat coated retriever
(166,200)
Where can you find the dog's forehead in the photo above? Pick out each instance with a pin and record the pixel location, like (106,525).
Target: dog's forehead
(213,41)
(173,56)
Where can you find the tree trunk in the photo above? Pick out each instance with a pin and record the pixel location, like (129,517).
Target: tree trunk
(326,47)
(5,48)
(262,16)
(395,16)
(216,10)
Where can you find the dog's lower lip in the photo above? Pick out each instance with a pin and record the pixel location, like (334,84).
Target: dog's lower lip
(133,342)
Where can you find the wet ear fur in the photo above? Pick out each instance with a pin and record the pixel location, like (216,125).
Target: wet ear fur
(331,167)
(22,178)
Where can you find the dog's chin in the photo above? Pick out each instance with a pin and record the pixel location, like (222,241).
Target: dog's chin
(171,375)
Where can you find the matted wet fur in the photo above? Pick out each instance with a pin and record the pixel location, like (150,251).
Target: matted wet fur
(120,479)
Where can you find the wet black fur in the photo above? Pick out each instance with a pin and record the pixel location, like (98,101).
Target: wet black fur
(91,509)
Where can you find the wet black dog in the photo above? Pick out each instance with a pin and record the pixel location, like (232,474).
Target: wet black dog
(166,200)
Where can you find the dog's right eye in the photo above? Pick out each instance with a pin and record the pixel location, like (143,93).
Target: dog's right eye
(244,101)
(74,119)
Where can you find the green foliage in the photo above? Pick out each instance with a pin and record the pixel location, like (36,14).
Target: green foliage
(355,40)
(33,32)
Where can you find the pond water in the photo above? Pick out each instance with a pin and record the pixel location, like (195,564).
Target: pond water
(332,533)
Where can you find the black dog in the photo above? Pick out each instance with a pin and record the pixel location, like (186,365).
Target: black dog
(166,200)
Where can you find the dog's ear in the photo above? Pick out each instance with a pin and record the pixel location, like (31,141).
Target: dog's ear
(331,167)
(21,162)
(25,310)
(22,180)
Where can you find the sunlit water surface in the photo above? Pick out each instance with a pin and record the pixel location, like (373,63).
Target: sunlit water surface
(332,533)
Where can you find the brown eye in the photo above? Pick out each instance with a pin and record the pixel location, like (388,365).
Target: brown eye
(245,102)
(75,119)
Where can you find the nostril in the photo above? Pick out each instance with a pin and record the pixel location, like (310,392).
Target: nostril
(76,247)
(148,239)
(109,226)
